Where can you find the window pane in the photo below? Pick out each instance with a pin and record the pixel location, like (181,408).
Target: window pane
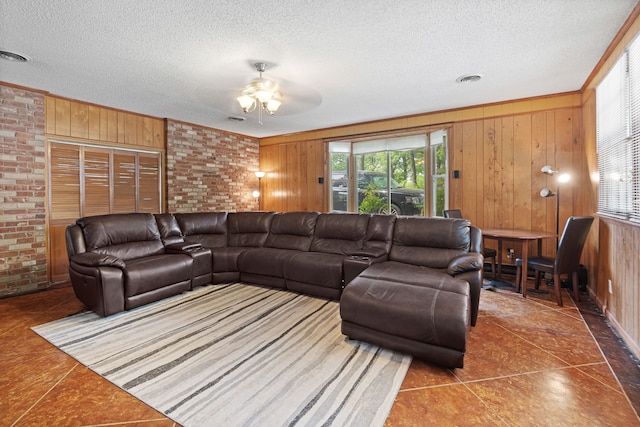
(339,181)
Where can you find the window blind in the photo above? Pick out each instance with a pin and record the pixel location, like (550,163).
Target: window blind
(618,137)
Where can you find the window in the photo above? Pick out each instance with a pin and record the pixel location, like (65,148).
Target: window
(618,137)
(401,175)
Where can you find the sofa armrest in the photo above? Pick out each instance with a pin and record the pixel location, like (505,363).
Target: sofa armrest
(181,247)
(90,259)
(371,253)
(471,261)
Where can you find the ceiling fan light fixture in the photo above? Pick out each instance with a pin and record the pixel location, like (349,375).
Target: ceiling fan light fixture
(14,56)
(261,93)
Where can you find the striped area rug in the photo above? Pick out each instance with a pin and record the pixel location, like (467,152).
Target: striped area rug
(238,355)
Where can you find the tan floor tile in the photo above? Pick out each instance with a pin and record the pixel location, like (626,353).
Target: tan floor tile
(83,398)
(25,378)
(561,335)
(450,405)
(493,351)
(422,374)
(565,397)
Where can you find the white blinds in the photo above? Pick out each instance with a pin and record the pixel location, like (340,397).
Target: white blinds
(391,144)
(618,137)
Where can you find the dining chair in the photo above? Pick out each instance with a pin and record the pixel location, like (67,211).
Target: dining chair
(486,252)
(567,259)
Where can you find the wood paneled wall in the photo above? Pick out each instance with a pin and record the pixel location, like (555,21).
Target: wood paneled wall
(90,122)
(499,150)
(614,250)
(291,182)
(499,160)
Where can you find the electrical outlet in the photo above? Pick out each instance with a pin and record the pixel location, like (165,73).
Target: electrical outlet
(511,253)
(610,287)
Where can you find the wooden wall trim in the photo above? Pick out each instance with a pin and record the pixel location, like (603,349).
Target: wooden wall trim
(444,117)
(613,51)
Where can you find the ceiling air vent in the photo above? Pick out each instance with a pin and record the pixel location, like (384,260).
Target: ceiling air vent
(469,78)
(236,118)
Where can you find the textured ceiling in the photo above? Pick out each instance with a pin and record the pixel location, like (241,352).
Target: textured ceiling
(337,62)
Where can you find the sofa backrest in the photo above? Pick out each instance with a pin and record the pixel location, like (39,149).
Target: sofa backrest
(430,242)
(125,236)
(169,229)
(292,230)
(379,233)
(207,228)
(248,229)
(339,233)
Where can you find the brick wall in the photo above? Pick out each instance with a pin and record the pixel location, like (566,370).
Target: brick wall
(22,192)
(210,170)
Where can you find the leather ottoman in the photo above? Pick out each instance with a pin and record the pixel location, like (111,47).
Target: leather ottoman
(429,320)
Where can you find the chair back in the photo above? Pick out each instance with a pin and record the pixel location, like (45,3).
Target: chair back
(571,244)
(452,213)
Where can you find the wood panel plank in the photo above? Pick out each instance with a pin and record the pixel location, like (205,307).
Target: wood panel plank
(538,179)
(63,117)
(468,173)
(478,215)
(50,114)
(489,174)
(94,123)
(79,120)
(507,188)
(456,148)
(113,128)
(522,160)
(159,139)
(131,129)
(121,127)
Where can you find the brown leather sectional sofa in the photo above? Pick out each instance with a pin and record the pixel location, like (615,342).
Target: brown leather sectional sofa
(410,284)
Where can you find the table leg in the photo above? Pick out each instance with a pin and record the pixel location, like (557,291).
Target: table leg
(525,258)
(499,274)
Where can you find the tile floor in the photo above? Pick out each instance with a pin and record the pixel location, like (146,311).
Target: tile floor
(528,362)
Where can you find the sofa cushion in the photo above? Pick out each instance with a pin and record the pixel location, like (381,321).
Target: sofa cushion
(207,228)
(248,229)
(379,234)
(431,242)
(292,230)
(429,315)
(125,236)
(392,271)
(154,272)
(315,268)
(169,229)
(337,233)
(265,261)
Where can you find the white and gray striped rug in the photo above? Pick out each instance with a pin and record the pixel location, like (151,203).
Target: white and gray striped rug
(238,355)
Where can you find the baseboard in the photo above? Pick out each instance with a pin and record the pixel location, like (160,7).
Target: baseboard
(628,340)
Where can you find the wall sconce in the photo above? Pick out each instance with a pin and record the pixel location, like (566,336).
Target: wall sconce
(546,192)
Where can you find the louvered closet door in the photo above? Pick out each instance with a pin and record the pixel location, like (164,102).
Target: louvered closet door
(97,182)
(124,182)
(64,204)
(88,180)
(149,185)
